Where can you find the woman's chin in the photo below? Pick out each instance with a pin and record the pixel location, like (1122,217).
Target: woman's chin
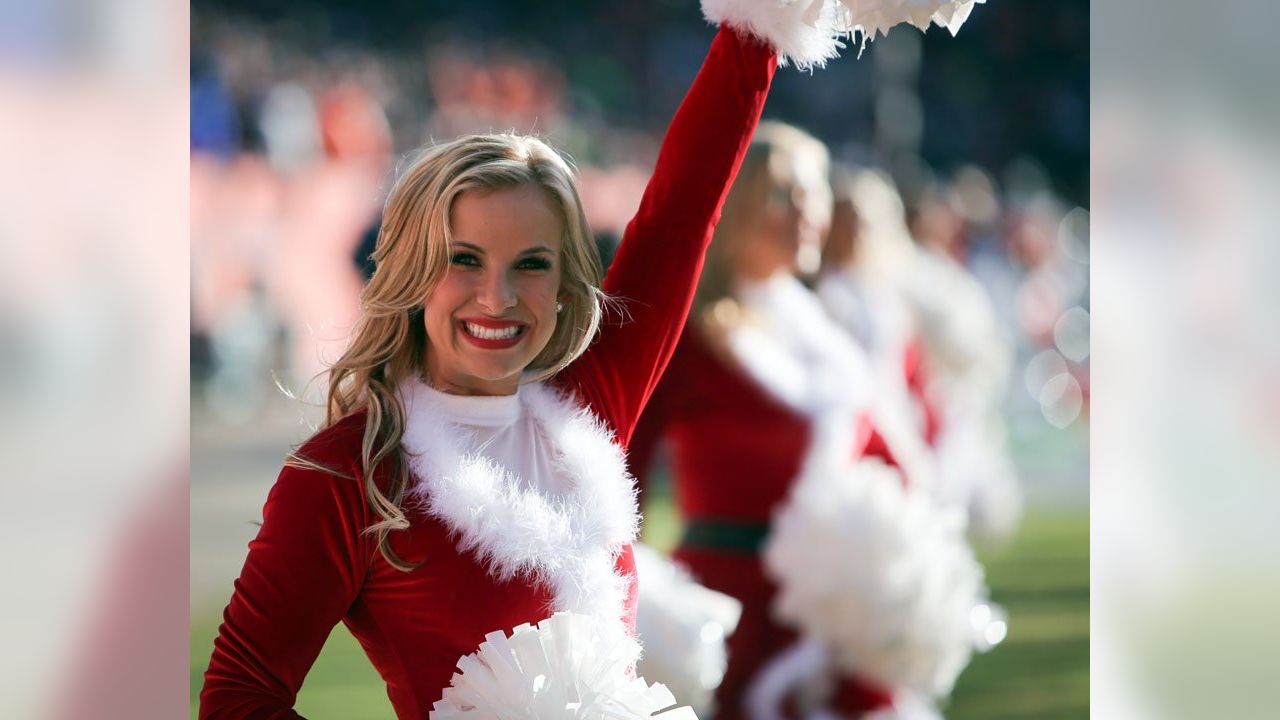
(494,378)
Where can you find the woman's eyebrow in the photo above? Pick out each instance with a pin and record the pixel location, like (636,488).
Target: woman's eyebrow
(539,250)
(536,250)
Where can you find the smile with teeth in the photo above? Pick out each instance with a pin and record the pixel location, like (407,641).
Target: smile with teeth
(485,333)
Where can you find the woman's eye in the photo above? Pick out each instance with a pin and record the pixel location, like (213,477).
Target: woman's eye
(465,259)
(534,263)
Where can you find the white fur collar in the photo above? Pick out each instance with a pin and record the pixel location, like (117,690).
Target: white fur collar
(796,353)
(569,543)
(799,356)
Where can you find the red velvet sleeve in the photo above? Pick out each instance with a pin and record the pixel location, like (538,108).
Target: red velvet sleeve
(303,572)
(656,268)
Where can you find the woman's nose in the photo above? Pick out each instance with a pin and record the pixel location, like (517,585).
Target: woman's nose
(496,294)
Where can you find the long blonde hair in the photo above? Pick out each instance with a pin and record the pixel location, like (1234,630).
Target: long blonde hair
(389,343)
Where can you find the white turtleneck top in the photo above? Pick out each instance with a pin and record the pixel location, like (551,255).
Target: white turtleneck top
(500,427)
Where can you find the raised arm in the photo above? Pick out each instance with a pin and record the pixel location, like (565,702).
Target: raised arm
(304,570)
(655,271)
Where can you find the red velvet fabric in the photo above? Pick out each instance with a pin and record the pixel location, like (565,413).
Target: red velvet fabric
(312,566)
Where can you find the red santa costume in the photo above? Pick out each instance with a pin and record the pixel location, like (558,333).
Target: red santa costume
(526,506)
(793,390)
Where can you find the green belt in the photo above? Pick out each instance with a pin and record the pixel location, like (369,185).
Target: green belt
(728,535)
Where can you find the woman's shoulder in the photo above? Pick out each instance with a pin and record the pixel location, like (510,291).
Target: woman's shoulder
(324,472)
(328,462)
(337,443)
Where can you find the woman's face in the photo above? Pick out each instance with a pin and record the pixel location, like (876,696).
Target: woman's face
(781,237)
(495,308)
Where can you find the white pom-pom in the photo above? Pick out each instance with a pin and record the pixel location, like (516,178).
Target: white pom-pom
(683,627)
(879,574)
(875,17)
(808,32)
(569,667)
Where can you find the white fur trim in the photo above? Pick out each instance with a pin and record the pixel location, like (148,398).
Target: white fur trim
(790,28)
(809,32)
(798,356)
(569,543)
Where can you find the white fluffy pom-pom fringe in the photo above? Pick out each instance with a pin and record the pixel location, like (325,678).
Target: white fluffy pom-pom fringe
(809,32)
(683,626)
(879,574)
(569,667)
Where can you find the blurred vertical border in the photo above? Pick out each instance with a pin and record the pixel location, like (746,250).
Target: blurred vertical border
(1186,441)
(94,297)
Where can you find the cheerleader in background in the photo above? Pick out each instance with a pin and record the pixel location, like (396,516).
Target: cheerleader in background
(925,318)
(761,385)
(861,263)
(876,573)
(857,285)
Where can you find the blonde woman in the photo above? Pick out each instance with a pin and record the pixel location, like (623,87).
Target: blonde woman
(470,476)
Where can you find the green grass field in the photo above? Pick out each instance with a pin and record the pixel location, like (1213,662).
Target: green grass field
(1040,672)
(1042,669)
